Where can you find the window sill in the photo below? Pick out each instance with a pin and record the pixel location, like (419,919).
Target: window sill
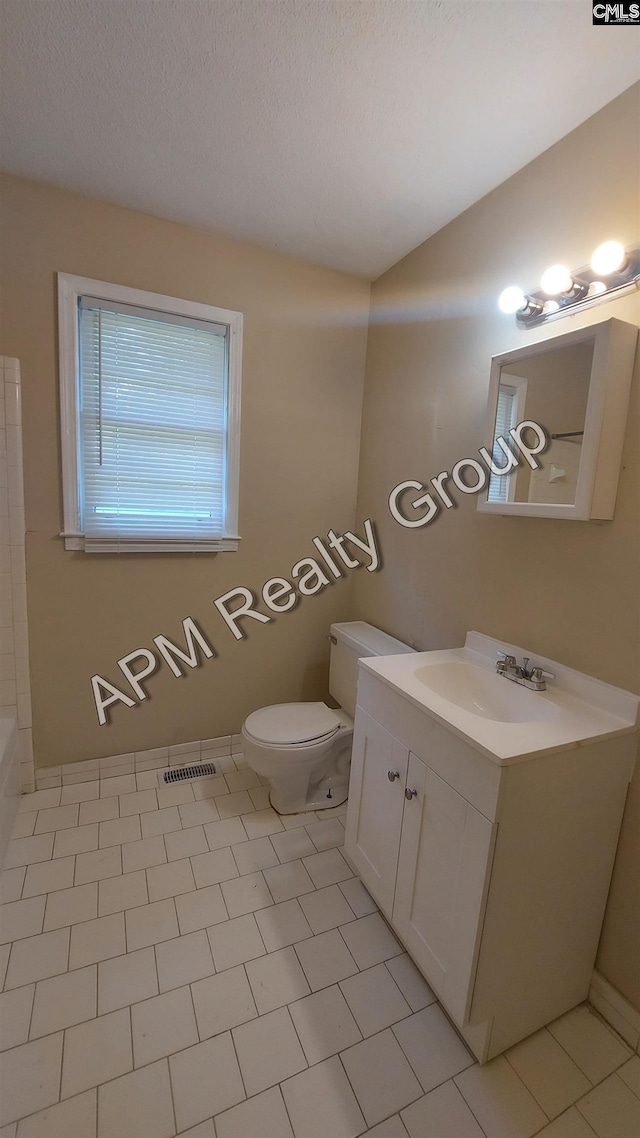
(76,541)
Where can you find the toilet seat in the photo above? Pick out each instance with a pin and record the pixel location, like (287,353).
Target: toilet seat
(292,724)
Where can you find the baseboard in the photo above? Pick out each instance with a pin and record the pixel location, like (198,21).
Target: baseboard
(178,754)
(616,1010)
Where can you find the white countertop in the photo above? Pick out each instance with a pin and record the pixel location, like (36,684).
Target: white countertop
(576,709)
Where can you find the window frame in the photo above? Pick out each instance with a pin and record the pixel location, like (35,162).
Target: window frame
(518,401)
(70,289)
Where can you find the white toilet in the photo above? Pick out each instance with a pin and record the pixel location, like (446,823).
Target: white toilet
(304,749)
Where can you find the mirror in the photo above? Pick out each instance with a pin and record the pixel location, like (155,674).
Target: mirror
(552,389)
(576,387)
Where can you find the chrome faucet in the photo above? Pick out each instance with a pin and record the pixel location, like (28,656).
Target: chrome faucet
(534,678)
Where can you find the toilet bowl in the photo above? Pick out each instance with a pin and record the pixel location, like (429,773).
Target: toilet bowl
(303,750)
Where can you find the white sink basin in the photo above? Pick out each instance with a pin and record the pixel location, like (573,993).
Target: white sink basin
(485,693)
(460,688)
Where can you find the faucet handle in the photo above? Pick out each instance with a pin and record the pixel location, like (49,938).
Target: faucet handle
(509,660)
(540,674)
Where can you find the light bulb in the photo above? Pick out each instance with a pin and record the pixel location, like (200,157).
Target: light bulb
(596,287)
(556,280)
(608,258)
(551,306)
(511,299)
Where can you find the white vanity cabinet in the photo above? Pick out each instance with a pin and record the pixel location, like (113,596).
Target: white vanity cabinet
(379,765)
(495,877)
(443,865)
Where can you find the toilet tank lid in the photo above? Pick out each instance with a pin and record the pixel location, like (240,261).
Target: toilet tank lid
(367,640)
(288,723)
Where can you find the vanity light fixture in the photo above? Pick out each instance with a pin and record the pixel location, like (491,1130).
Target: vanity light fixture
(511,299)
(609,257)
(556,281)
(613,270)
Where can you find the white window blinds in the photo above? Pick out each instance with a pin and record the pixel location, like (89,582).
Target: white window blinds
(505,420)
(153,438)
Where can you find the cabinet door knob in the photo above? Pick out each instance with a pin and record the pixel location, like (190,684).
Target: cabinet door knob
(409,794)
(393,775)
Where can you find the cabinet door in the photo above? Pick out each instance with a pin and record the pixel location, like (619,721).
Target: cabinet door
(443,869)
(374,819)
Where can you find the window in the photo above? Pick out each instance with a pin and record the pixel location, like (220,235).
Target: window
(509,412)
(150,403)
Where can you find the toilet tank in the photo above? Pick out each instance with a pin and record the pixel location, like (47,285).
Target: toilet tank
(350,642)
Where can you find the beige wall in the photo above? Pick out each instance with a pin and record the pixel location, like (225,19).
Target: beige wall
(566,589)
(304,350)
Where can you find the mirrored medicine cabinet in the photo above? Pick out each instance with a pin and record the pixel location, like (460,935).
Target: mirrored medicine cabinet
(576,386)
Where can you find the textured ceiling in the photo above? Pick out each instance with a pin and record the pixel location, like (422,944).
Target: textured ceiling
(343,132)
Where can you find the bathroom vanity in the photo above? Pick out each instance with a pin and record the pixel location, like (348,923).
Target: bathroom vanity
(484,818)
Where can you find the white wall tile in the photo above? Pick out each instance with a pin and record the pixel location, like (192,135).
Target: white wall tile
(14,446)
(7,691)
(21,639)
(16,522)
(18,565)
(15,701)
(15,489)
(23,682)
(12,416)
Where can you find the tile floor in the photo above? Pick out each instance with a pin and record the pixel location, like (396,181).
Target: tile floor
(180,960)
